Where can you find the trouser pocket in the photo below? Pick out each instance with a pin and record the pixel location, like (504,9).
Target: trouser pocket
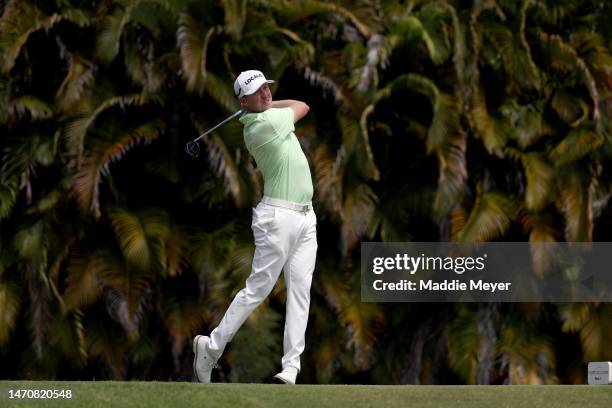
(263,222)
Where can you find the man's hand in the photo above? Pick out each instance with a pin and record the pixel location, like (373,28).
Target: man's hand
(300,109)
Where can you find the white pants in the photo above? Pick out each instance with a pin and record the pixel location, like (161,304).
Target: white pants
(286,240)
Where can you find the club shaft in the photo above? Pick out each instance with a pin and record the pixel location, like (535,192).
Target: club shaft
(218,125)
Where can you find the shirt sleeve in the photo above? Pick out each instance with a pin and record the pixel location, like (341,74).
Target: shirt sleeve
(259,133)
(281,120)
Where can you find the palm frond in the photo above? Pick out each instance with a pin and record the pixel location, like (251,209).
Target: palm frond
(471,339)
(40,296)
(359,205)
(576,187)
(155,15)
(540,176)
(299,10)
(555,44)
(133,240)
(489,218)
(298,55)
(60,254)
(463,342)
(570,107)
(356,144)
(555,12)
(142,65)
(126,301)
(488,128)
(21,19)
(536,80)
(411,29)
(85,277)
(8,197)
(541,229)
(224,165)
(28,107)
(142,240)
(443,136)
(595,333)
(103,153)
(67,333)
(396,209)
(592,321)
(29,240)
(528,358)
(376,56)
(168,241)
(76,130)
(80,76)
(213,254)
(235,16)
(459,49)
(328,181)
(515,54)
(476,37)
(362,320)
(16,24)
(431,17)
(10,305)
(184,316)
(574,316)
(108,39)
(107,341)
(135,61)
(591,45)
(445,114)
(526,121)
(332,286)
(452,175)
(229,279)
(578,143)
(221,92)
(193,46)
(328,86)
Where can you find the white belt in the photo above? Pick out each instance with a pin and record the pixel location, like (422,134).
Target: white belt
(287,204)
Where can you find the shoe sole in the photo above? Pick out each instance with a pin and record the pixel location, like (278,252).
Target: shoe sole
(278,380)
(195,350)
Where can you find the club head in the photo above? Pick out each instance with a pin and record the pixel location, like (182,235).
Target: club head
(193,149)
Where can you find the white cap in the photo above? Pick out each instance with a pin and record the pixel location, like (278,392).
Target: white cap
(248,82)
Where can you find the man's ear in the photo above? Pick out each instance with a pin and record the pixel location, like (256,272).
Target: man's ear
(243,102)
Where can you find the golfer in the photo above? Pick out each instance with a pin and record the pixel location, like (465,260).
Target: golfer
(284,227)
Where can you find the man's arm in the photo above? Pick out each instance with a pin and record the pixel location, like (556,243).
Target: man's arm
(300,109)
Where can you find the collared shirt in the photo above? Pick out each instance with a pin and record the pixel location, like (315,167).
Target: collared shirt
(269,136)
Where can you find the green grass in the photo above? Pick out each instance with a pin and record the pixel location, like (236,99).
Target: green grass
(166,394)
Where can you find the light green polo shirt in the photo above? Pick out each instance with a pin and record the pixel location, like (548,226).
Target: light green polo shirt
(270,139)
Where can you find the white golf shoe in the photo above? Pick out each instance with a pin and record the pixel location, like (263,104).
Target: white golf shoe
(287,376)
(203,362)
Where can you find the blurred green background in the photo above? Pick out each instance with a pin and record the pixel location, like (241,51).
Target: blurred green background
(430,121)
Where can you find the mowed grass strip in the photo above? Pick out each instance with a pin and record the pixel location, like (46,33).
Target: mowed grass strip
(91,394)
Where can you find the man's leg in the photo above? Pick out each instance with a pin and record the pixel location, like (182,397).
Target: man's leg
(298,272)
(268,260)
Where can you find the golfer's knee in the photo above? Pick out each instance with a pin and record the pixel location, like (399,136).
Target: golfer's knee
(250,296)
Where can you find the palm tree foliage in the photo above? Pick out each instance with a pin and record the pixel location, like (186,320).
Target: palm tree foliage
(431,121)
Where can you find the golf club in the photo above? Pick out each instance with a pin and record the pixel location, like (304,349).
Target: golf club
(193,148)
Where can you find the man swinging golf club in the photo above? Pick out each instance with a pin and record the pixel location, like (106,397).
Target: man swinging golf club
(284,227)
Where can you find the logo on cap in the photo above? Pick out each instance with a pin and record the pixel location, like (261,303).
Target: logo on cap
(248,81)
